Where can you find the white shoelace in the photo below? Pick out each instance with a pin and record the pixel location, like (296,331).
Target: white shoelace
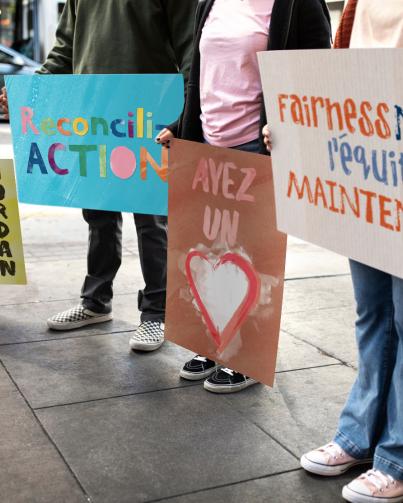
(200,358)
(228,371)
(334,450)
(379,479)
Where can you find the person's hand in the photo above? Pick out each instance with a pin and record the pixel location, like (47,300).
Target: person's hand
(267,138)
(4,102)
(165,137)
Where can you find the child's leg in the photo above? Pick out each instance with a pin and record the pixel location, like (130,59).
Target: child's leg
(389,452)
(362,420)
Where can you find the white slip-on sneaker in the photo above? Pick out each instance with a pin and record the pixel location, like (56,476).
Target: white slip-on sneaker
(374,487)
(76,317)
(149,336)
(330,461)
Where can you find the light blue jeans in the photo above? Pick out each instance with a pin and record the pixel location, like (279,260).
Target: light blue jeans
(371,424)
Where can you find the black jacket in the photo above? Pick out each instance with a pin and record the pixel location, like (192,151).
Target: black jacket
(295,24)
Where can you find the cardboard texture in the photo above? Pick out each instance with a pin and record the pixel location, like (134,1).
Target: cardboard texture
(12,265)
(225,259)
(87,141)
(337,123)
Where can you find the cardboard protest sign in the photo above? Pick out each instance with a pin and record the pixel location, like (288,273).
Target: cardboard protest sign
(225,259)
(87,141)
(336,119)
(12,265)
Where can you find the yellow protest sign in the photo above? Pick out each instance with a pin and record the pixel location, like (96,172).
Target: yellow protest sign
(12,265)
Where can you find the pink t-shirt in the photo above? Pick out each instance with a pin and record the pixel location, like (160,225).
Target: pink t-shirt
(230,87)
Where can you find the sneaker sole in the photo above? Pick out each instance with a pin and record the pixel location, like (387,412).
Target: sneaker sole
(329,471)
(192,376)
(141,346)
(355,497)
(218,388)
(54,325)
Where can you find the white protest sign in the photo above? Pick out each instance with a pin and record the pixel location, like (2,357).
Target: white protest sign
(336,118)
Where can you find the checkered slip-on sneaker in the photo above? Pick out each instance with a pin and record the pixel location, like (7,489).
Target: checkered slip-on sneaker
(148,337)
(199,367)
(227,381)
(76,317)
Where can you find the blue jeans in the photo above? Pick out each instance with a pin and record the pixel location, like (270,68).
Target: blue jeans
(371,424)
(252,147)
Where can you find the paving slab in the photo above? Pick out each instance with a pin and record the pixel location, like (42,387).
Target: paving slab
(305,260)
(58,250)
(331,330)
(294,487)
(6,151)
(57,227)
(161,444)
(63,228)
(5,134)
(294,354)
(56,280)
(90,368)
(87,368)
(302,410)
(27,322)
(317,293)
(32,471)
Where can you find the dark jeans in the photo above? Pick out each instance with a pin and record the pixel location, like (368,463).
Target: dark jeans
(105,256)
(251,147)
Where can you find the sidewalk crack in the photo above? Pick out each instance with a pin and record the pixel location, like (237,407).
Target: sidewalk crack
(69,468)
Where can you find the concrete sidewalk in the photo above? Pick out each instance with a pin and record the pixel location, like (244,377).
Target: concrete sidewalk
(84,419)
(6,151)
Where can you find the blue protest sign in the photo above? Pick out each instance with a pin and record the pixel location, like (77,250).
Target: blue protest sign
(87,141)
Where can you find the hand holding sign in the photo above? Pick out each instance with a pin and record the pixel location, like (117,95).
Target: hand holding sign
(4,103)
(165,137)
(267,138)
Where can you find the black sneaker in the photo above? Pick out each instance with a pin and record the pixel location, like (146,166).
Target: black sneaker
(199,367)
(227,381)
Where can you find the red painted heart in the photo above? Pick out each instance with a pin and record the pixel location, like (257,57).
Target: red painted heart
(223,311)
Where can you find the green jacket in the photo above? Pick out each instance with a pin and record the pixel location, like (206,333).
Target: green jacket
(123,36)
